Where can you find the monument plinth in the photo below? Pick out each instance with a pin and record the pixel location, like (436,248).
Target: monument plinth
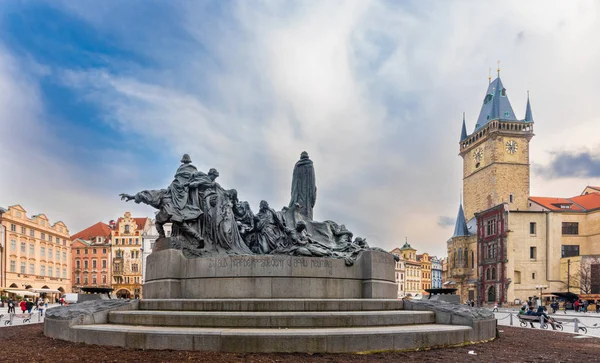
(230,280)
(171,275)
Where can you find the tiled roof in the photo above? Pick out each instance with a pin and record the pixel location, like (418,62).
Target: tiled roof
(141,222)
(580,203)
(98,229)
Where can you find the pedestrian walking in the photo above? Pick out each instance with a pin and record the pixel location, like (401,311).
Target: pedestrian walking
(585,306)
(61,301)
(23,306)
(29,305)
(46,302)
(495,307)
(41,306)
(11,306)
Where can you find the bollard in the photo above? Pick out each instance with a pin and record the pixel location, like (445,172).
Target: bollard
(511,323)
(576,325)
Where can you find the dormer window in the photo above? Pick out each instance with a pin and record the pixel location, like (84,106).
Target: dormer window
(503,92)
(506,114)
(487,99)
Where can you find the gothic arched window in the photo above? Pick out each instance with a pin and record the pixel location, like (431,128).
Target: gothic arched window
(472,259)
(493,273)
(487,274)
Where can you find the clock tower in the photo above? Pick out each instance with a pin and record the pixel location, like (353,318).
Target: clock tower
(496,155)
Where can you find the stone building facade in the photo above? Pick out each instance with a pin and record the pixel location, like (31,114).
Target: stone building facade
(92,257)
(400,271)
(127,255)
(37,253)
(507,245)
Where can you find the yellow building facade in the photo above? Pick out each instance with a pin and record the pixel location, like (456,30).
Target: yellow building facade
(127,254)
(36,254)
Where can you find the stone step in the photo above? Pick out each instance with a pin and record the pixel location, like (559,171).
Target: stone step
(271,304)
(251,319)
(318,340)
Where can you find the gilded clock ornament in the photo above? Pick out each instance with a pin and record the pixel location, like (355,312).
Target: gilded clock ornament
(478,155)
(511,146)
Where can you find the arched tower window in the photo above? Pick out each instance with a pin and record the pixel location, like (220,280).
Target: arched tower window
(493,273)
(487,274)
(460,256)
(472,259)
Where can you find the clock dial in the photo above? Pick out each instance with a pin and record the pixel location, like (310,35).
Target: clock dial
(478,155)
(511,146)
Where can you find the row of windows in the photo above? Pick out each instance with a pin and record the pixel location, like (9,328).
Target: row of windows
(126,279)
(86,264)
(78,279)
(118,267)
(568,228)
(462,260)
(50,271)
(51,238)
(13,248)
(85,251)
(121,254)
(127,241)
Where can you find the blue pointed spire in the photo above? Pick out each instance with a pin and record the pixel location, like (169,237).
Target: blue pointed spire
(496,105)
(528,115)
(463,134)
(461,229)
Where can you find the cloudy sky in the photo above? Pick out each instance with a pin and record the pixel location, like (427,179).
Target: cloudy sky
(99,98)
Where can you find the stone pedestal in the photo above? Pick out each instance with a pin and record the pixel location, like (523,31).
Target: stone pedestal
(171,275)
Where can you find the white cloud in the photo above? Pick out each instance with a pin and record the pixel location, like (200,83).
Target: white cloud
(373,90)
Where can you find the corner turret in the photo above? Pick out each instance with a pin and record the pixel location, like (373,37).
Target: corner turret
(460,229)
(528,115)
(463,134)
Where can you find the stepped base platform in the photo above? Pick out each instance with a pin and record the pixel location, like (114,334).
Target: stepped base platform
(271,325)
(326,340)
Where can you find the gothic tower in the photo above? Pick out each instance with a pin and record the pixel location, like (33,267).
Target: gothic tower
(496,155)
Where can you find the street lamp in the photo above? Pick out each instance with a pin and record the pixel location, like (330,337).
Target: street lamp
(541,287)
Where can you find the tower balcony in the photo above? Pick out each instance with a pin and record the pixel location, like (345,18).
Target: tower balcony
(511,127)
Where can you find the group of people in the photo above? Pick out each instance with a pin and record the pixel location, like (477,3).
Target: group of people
(529,309)
(27,305)
(581,305)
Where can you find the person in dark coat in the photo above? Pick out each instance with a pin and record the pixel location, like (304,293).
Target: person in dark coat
(29,306)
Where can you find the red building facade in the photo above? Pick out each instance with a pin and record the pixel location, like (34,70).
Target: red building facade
(492,254)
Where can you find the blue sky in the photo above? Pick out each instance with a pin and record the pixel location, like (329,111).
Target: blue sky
(99,98)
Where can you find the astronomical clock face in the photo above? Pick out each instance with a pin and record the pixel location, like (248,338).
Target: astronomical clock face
(478,155)
(511,146)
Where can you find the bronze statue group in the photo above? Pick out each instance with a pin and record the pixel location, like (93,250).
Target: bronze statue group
(210,220)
